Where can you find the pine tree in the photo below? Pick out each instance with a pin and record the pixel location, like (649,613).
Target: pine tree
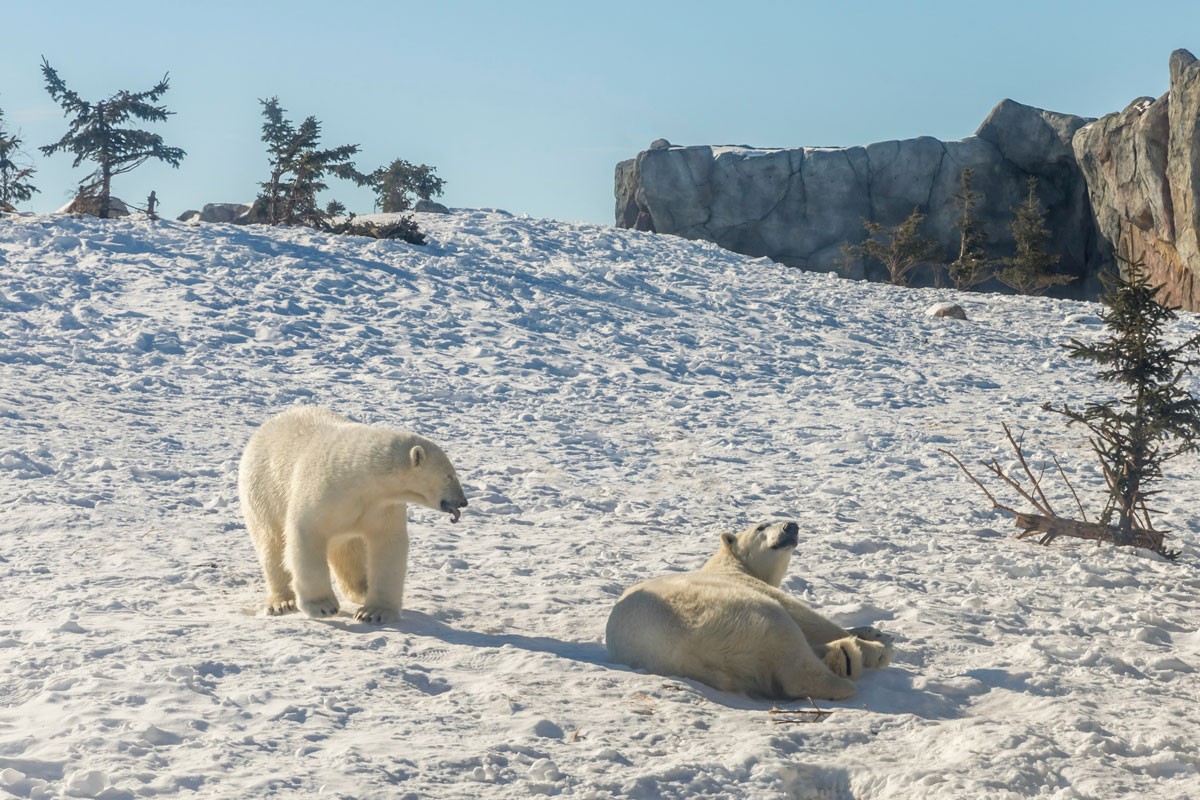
(299,168)
(1028,269)
(1156,419)
(395,184)
(95,134)
(15,170)
(972,266)
(280,137)
(900,249)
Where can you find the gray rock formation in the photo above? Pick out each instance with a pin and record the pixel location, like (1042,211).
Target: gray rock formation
(430,207)
(799,205)
(216,212)
(1143,172)
(90,205)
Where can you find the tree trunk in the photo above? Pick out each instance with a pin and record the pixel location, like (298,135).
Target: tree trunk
(105,191)
(1053,527)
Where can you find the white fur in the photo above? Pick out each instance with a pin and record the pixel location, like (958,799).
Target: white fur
(318,491)
(729,625)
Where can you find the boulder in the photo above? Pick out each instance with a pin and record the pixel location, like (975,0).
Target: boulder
(216,212)
(1142,167)
(799,205)
(90,205)
(430,207)
(946,309)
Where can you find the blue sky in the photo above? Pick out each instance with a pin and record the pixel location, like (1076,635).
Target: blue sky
(528,106)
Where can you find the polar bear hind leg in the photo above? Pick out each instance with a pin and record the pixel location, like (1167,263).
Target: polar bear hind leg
(305,556)
(800,673)
(268,543)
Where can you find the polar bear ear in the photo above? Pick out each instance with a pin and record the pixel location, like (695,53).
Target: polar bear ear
(729,540)
(417,456)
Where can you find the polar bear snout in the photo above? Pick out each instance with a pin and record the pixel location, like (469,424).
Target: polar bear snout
(789,536)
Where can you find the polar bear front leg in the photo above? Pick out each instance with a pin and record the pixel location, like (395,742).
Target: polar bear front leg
(306,560)
(387,565)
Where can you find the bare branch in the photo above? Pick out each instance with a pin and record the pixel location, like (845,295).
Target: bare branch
(999,472)
(1063,474)
(1044,506)
(967,472)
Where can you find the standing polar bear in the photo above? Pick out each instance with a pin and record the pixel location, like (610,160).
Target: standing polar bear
(730,626)
(320,491)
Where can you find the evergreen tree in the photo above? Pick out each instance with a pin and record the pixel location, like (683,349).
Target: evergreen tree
(1156,419)
(1028,270)
(299,168)
(15,170)
(95,134)
(900,249)
(395,184)
(972,266)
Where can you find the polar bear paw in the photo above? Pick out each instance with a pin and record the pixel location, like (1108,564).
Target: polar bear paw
(845,657)
(875,655)
(876,646)
(376,614)
(870,634)
(320,608)
(278,606)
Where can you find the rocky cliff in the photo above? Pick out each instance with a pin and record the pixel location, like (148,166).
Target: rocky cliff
(1128,182)
(799,205)
(1142,167)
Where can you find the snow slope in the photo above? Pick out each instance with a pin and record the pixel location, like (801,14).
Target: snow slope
(613,401)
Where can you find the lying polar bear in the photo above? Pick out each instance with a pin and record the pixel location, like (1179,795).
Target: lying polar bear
(730,626)
(318,490)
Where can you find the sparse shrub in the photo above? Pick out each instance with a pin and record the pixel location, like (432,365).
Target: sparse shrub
(396,184)
(95,135)
(15,170)
(299,168)
(900,249)
(972,266)
(1028,270)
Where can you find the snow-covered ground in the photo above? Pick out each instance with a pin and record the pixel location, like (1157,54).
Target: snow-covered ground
(613,401)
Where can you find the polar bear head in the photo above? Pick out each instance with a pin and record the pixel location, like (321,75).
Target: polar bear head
(426,475)
(762,550)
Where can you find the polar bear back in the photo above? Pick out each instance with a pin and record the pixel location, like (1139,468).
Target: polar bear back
(312,457)
(716,628)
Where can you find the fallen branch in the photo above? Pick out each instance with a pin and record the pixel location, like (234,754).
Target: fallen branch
(1047,523)
(781,716)
(1053,527)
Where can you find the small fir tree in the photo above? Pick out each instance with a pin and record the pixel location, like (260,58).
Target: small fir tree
(1028,270)
(398,182)
(900,249)
(1156,419)
(95,134)
(15,170)
(972,266)
(299,168)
